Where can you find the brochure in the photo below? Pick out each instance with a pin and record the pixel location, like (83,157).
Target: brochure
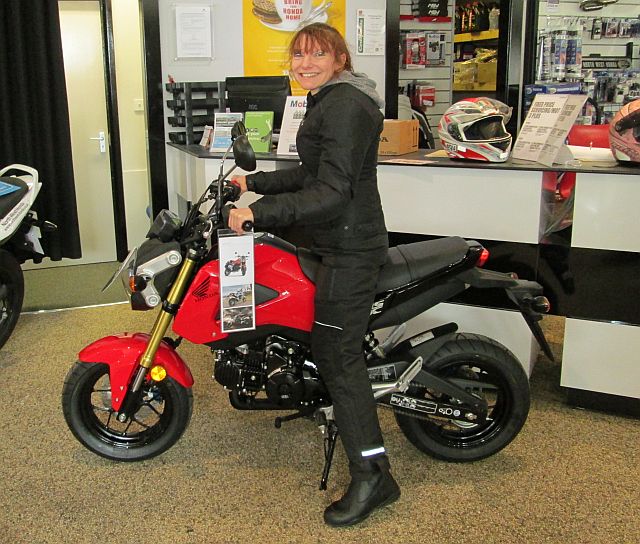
(237,284)
(223,123)
(544,131)
(294,111)
(259,126)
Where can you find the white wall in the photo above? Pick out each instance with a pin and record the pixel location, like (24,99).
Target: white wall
(229,61)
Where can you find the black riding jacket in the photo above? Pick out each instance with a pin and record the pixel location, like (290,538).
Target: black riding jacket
(334,191)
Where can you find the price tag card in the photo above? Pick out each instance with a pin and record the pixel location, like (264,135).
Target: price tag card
(237,283)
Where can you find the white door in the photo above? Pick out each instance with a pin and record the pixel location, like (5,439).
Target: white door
(85,77)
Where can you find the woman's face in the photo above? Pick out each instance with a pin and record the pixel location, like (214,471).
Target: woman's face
(312,66)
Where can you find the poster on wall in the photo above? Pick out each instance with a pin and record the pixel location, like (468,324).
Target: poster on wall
(371,30)
(269,25)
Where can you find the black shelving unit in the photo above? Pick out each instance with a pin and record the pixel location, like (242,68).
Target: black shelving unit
(194,105)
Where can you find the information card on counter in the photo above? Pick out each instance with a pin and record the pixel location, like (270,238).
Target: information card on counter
(542,136)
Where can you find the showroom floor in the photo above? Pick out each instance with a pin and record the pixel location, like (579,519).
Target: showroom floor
(571,476)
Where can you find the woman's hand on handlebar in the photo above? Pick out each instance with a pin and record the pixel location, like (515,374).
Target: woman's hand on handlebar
(238,217)
(240,181)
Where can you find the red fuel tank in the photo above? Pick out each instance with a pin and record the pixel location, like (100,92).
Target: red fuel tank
(277,268)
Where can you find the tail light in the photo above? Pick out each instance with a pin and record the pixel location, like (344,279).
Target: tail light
(484,257)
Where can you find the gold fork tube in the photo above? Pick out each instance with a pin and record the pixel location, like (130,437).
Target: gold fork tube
(164,317)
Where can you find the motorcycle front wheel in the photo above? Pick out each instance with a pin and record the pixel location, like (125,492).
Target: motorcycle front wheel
(162,416)
(486,369)
(11,294)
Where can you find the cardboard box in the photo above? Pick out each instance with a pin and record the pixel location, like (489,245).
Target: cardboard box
(399,137)
(487,72)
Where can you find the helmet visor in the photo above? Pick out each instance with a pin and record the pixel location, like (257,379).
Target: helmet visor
(489,129)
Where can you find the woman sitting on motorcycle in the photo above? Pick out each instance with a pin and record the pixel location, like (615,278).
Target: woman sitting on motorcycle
(334,193)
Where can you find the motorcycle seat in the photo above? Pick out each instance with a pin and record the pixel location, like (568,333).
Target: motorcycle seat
(8,201)
(405,263)
(412,262)
(309,262)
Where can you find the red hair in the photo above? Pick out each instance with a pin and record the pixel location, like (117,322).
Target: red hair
(324,36)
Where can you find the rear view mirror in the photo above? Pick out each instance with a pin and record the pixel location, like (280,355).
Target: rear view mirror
(238,129)
(243,153)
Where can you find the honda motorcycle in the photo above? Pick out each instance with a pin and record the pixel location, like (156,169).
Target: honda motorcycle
(20,232)
(456,396)
(236,265)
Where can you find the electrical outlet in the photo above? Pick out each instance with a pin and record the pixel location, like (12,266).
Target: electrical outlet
(138,104)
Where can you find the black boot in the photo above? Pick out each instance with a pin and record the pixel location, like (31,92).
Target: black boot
(362,497)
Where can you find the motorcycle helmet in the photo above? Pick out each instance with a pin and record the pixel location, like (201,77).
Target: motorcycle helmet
(474,129)
(624,133)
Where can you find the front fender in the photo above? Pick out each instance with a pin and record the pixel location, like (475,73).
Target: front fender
(122,353)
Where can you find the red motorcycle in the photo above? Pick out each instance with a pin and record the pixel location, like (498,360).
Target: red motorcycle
(458,397)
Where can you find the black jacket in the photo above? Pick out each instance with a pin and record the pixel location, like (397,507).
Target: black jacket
(334,191)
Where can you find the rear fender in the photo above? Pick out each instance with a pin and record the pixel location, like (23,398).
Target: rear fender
(122,354)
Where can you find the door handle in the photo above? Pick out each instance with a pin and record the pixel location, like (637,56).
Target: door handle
(103,141)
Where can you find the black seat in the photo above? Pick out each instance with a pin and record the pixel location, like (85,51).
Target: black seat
(411,262)
(309,262)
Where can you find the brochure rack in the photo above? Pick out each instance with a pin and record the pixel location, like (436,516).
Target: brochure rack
(194,105)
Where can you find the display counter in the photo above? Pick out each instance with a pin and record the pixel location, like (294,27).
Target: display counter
(574,229)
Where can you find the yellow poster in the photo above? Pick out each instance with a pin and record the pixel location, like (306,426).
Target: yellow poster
(269,25)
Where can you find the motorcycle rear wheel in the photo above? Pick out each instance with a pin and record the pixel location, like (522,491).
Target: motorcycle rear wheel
(502,382)
(11,294)
(161,418)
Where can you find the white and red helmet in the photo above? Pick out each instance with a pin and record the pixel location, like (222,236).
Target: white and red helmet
(624,132)
(474,129)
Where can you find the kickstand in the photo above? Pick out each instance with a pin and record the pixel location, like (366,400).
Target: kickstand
(329,447)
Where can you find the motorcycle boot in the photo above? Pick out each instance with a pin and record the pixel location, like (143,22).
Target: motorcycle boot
(363,496)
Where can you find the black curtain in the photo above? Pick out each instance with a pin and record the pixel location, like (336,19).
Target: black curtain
(34,114)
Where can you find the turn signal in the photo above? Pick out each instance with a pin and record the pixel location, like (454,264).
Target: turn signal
(158,373)
(541,305)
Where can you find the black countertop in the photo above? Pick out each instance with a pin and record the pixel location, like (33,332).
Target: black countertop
(433,162)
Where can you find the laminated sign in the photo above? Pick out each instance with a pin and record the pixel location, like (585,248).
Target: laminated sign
(237,285)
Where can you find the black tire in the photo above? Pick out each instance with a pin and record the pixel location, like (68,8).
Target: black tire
(159,422)
(11,294)
(478,358)
(232,301)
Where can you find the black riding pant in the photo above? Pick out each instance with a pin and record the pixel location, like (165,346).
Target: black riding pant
(345,291)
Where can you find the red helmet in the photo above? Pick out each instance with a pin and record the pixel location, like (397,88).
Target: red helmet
(474,129)
(624,132)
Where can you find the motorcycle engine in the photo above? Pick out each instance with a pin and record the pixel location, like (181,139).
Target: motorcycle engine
(282,370)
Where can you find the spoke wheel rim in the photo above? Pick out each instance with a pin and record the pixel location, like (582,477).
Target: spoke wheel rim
(147,424)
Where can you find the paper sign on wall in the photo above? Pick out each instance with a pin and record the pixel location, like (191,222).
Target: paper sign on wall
(237,284)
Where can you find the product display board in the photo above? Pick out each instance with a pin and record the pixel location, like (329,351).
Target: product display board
(236,257)
(596,49)
(541,137)
(294,111)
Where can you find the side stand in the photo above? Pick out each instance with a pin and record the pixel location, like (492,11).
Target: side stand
(330,437)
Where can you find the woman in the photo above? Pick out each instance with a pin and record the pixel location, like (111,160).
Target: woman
(334,194)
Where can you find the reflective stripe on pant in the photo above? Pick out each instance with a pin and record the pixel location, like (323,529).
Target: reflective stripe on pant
(345,290)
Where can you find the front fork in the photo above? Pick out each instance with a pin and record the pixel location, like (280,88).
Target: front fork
(167,312)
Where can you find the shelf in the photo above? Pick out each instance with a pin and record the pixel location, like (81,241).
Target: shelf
(425,19)
(474,86)
(476,36)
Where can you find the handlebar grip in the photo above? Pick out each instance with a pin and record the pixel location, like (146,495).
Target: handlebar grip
(247,226)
